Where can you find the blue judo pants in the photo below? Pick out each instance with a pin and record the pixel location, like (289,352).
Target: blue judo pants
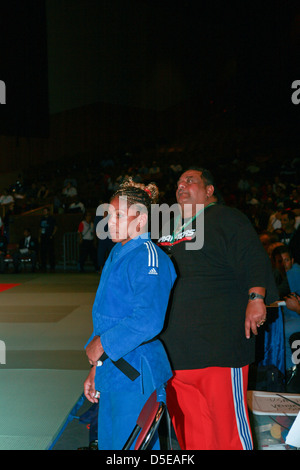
(118,413)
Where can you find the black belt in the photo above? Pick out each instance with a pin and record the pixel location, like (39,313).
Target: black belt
(123,365)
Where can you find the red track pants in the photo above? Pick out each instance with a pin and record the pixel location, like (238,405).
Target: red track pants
(208,408)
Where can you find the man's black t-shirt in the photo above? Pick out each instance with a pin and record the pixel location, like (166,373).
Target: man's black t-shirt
(206,323)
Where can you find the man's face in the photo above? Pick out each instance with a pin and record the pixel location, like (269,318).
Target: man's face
(287,261)
(191,189)
(278,263)
(286,223)
(265,241)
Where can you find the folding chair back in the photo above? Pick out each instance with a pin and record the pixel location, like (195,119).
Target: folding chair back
(147,422)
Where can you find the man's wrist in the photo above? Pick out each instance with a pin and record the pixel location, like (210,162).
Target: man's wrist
(255,296)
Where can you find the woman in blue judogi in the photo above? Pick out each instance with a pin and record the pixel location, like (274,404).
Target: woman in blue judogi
(128,313)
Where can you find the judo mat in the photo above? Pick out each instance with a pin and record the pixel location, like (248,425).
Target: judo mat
(45,321)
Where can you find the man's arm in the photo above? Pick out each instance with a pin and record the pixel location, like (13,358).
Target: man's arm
(256,312)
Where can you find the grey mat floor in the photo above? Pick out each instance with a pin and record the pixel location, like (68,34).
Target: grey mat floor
(76,433)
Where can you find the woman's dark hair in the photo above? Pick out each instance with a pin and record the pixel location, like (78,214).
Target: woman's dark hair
(291,215)
(138,193)
(279,250)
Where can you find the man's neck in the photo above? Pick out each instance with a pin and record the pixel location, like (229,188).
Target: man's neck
(191,210)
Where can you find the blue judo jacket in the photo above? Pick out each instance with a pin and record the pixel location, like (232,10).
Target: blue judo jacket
(129,309)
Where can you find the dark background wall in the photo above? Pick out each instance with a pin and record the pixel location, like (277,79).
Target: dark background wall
(24,68)
(84,74)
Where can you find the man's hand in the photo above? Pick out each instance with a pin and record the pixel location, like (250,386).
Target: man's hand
(256,313)
(89,386)
(94,350)
(293,302)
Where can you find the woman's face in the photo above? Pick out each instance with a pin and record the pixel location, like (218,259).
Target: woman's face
(124,220)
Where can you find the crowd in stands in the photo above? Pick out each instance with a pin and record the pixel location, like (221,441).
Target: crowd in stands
(264,189)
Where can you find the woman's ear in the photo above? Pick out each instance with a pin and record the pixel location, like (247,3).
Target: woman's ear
(138,225)
(143,221)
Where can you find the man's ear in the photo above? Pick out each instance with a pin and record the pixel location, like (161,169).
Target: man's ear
(210,190)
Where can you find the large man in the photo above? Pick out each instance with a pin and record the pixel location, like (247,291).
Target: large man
(218,304)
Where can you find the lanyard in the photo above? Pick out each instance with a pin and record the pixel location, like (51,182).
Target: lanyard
(182,227)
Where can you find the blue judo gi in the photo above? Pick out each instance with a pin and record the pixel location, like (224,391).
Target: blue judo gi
(129,310)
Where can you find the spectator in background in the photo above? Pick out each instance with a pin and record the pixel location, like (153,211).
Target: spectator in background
(267,239)
(71,180)
(42,194)
(294,245)
(48,229)
(293,302)
(279,271)
(32,195)
(278,185)
(69,195)
(87,242)
(282,199)
(176,168)
(6,198)
(58,207)
(143,170)
(274,221)
(28,247)
(105,243)
(243,184)
(76,206)
(294,198)
(291,316)
(154,170)
(69,190)
(8,219)
(3,252)
(288,229)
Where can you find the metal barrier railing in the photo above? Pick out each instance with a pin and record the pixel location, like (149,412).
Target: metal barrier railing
(70,249)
